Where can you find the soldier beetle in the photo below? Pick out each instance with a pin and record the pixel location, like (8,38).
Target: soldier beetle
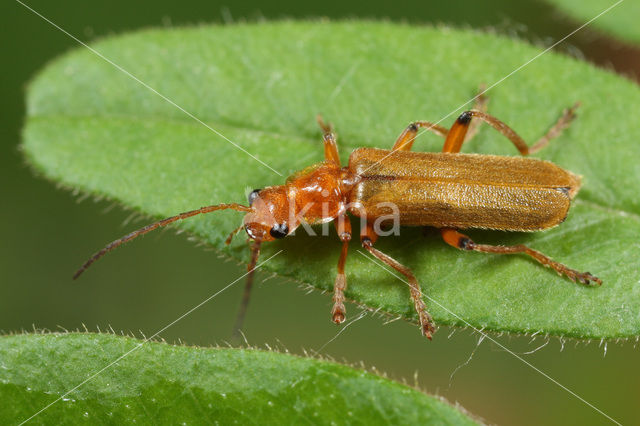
(447,190)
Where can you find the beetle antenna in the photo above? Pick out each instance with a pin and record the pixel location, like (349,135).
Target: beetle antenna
(152,226)
(255,252)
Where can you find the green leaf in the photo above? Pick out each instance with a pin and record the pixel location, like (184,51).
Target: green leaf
(621,21)
(93,128)
(169,384)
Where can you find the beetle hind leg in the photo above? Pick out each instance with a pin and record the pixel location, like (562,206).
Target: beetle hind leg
(568,115)
(458,132)
(463,242)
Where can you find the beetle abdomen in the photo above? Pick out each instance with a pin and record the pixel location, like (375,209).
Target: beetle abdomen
(461,190)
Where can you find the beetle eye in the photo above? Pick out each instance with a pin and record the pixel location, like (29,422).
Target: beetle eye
(253,195)
(279,231)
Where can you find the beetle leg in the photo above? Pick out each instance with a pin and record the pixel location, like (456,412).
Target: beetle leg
(233,234)
(406,138)
(338,313)
(568,115)
(463,242)
(457,133)
(367,238)
(480,104)
(330,144)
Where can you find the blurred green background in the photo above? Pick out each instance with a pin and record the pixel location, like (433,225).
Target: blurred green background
(47,233)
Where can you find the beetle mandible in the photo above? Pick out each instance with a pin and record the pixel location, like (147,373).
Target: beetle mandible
(447,190)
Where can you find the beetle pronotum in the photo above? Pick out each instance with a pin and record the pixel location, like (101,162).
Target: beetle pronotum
(446,190)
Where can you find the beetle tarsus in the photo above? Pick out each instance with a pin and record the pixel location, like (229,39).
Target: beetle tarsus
(338,312)
(586,278)
(428,330)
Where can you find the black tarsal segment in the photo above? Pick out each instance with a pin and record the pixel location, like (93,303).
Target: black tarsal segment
(253,195)
(279,230)
(465,243)
(464,118)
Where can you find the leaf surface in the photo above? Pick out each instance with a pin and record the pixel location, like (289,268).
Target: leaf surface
(156,382)
(92,127)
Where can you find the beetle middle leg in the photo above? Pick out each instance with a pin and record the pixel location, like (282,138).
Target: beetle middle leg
(368,238)
(457,134)
(463,242)
(343,227)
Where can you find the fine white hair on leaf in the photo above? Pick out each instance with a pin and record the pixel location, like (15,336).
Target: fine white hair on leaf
(480,339)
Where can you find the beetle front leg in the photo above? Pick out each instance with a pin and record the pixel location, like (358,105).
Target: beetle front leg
(427,326)
(343,227)
(463,242)
(330,144)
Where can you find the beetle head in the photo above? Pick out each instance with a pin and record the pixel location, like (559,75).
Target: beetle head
(269,216)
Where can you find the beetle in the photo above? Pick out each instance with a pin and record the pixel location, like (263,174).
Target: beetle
(448,190)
